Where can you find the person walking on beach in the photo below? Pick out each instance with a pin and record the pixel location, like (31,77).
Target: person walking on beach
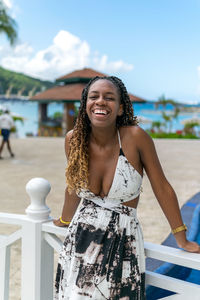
(6,123)
(103,253)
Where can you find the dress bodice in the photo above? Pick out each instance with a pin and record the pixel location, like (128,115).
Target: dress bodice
(126,184)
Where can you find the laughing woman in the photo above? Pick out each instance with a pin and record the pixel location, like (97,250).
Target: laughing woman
(103,252)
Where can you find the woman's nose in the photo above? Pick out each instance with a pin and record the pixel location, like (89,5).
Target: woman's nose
(100,100)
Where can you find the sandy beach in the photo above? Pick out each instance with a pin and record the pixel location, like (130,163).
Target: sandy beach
(45,157)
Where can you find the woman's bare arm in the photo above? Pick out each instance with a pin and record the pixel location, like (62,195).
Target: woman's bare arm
(162,189)
(71,200)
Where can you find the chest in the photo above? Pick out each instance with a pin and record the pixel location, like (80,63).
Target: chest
(102,167)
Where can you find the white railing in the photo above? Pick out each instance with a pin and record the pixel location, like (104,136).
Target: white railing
(40,239)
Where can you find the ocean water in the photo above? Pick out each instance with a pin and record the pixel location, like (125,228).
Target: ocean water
(29,110)
(148,110)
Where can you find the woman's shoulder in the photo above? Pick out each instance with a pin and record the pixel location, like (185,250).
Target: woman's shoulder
(135,135)
(134,131)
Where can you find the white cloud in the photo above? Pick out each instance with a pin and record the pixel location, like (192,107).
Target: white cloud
(113,66)
(7,3)
(67,53)
(15,58)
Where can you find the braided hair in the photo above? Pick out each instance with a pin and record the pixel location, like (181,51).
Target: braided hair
(77,175)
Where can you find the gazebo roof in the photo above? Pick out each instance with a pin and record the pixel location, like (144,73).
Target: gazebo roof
(69,93)
(71,90)
(85,73)
(63,93)
(134,98)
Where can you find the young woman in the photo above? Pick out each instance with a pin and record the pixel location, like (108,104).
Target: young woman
(103,253)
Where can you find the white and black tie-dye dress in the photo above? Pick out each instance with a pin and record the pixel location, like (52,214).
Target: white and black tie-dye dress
(103,252)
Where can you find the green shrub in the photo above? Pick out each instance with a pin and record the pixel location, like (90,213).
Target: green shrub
(164,135)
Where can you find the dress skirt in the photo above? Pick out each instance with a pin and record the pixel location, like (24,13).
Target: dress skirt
(102,255)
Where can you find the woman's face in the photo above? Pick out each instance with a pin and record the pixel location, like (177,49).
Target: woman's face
(103,103)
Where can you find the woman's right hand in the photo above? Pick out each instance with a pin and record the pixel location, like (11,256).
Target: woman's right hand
(59,224)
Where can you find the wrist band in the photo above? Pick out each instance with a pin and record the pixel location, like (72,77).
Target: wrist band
(179,229)
(64,222)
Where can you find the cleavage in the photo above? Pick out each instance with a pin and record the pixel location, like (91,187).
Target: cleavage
(102,174)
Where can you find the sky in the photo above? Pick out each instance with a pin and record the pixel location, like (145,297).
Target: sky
(152,45)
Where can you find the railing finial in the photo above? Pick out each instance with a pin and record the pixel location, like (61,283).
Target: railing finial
(38,189)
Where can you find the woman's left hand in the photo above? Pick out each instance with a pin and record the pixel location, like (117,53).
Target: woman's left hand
(59,224)
(190,247)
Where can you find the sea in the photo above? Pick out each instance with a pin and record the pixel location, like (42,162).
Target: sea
(146,112)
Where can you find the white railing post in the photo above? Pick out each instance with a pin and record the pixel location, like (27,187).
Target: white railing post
(4,271)
(37,255)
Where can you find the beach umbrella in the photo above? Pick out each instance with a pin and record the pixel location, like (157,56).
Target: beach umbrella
(144,120)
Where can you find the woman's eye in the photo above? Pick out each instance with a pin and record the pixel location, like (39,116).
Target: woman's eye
(109,99)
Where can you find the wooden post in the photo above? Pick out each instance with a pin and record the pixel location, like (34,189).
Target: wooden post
(68,117)
(42,116)
(42,112)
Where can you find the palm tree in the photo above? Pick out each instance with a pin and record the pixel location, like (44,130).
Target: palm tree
(189,128)
(168,117)
(161,101)
(156,125)
(167,120)
(7,24)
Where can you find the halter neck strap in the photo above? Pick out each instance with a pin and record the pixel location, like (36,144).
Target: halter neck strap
(120,145)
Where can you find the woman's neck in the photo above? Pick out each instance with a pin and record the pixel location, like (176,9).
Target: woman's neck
(103,137)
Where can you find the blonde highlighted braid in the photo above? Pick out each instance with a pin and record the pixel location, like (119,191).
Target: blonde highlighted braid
(77,173)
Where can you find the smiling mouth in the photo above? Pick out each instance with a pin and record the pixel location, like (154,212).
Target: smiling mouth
(101,112)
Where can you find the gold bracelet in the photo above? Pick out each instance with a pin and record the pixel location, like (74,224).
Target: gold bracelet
(180,228)
(64,222)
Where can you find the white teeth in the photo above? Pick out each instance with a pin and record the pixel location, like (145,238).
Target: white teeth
(100,111)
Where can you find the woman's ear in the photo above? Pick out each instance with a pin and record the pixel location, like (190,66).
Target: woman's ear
(120,112)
